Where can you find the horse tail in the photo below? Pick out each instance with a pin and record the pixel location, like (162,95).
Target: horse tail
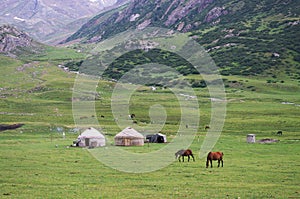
(208,159)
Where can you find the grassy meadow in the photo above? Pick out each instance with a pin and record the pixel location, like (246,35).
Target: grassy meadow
(37,162)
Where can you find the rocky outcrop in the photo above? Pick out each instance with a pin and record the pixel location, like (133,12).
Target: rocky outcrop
(182,10)
(12,41)
(215,13)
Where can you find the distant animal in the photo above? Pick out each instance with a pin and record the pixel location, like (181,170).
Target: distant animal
(206,127)
(132,115)
(4,127)
(102,116)
(214,156)
(182,153)
(279,133)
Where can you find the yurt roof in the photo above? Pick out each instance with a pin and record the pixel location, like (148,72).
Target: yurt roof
(91,133)
(129,133)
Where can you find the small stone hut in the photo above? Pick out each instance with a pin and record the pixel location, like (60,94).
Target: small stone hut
(129,137)
(251,138)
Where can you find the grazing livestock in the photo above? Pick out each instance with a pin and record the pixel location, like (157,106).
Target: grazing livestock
(206,127)
(4,127)
(132,116)
(279,133)
(182,153)
(214,156)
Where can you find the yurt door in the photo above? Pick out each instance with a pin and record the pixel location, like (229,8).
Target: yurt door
(127,142)
(87,141)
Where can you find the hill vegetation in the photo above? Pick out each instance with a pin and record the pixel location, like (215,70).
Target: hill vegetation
(243,37)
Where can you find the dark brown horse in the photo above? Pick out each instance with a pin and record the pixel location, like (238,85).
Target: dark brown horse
(182,153)
(214,156)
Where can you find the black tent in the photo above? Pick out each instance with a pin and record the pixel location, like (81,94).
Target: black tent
(156,138)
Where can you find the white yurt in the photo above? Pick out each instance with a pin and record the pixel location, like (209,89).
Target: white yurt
(91,137)
(129,137)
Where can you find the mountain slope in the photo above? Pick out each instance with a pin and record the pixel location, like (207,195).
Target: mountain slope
(243,37)
(13,42)
(47,20)
(140,14)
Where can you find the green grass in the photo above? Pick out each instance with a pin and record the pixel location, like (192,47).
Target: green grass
(34,166)
(36,161)
(56,54)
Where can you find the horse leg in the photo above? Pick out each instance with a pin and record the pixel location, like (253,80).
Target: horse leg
(179,159)
(188,158)
(193,157)
(211,163)
(219,163)
(182,158)
(222,162)
(207,163)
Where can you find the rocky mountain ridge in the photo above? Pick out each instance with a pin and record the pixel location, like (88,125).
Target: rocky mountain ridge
(142,13)
(181,15)
(50,20)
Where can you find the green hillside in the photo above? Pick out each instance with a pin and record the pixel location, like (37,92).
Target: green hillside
(35,88)
(243,37)
(255,38)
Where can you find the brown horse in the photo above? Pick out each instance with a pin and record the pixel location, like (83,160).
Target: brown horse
(214,156)
(182,153)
